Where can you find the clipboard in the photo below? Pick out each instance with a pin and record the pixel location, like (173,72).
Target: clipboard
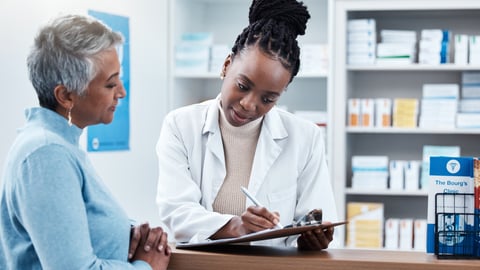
(261,235)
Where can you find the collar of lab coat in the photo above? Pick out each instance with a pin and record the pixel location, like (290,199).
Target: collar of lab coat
(271,123)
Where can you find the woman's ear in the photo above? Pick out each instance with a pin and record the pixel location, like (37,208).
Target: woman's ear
(63,96)
(226,64)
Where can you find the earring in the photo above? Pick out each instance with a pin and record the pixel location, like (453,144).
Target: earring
(69,116)
(222,75)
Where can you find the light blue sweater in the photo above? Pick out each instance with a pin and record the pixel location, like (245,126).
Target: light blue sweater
(55,211)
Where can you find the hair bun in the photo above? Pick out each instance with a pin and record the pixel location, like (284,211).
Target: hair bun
(291,12)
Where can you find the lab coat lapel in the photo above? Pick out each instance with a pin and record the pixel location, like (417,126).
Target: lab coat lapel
(268,149)
(214,167)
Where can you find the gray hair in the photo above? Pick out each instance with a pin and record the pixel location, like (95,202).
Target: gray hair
(65,52)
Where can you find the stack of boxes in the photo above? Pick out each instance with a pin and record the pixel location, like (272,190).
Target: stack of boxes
(370,172)
(397,47)
(368,228)
(460,49)
(405,112)
(467,49)
(195,53)
(392,233)
(313,59)
(474,50)
(353,108)
(434,47)
(420,234)
(218,54)
(468,115)
(406,234)
(458,109)
(404,175)
(369,112)
(365,226)
(361,41)
(192,53)
(435,96)
(400,46)
(319,118)
(412,175)
(471,85)
(383,112)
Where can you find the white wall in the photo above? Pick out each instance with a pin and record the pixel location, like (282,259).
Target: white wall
(131,175)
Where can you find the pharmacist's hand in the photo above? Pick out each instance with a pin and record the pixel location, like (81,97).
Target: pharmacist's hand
(255,218)
(258,218)
(317,239)
(157,253)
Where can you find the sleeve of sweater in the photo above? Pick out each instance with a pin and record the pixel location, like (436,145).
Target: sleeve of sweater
(52,210)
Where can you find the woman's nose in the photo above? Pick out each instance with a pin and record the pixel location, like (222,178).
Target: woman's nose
(248,102)
(121,92)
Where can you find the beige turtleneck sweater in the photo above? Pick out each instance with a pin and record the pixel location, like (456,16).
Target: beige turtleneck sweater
(239,144)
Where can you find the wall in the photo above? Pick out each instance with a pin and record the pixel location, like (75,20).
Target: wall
(131,175)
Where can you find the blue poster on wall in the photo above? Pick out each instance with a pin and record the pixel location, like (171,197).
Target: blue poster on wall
(116,135)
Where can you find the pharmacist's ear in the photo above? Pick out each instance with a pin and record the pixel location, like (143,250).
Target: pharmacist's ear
(226,65)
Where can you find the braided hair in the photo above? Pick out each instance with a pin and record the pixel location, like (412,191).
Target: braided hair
(274,26)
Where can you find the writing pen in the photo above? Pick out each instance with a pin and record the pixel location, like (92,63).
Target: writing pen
(256,202)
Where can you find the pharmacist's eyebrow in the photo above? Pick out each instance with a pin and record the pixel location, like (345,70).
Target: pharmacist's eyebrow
(248,81)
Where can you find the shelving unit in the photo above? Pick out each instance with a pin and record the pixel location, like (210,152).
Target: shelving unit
(352,191)
(226,19)
(460,17)
(394,130)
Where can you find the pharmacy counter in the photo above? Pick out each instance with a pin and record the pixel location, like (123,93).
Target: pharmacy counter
(256,257)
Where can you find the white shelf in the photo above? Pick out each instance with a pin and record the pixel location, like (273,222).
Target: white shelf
(414,67)
(352,191)
(210,75)
(394,130)
(197,75)
(218,1)
(313,75)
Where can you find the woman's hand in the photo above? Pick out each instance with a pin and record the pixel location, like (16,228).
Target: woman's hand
(254,219)
(152,246)
(317,239)
(135,237)
(258,218)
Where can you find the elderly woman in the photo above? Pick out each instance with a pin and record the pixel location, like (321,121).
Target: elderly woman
(55,211)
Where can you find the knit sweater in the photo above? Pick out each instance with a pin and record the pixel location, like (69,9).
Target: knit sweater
(55,212)
(239,145)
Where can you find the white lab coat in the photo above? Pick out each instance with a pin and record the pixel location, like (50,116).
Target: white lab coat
(289,173)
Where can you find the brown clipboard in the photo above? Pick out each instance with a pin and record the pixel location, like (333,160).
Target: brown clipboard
(261,235)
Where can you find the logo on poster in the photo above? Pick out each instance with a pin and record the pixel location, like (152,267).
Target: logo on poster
(453,166)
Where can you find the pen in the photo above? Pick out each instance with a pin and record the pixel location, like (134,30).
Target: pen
(256,202)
